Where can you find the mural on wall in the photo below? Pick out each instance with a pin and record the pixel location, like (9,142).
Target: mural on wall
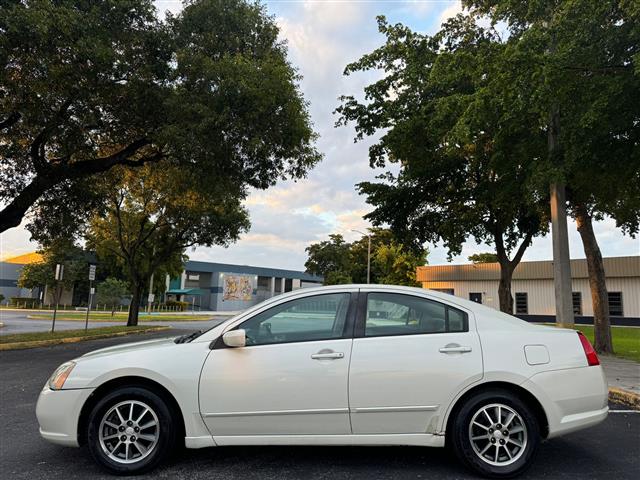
(237,287)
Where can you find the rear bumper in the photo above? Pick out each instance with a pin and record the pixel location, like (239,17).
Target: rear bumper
(58,412)
(573,399)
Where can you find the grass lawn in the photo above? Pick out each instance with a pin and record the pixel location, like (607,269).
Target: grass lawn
(35,339)
(120,317)
(626,340)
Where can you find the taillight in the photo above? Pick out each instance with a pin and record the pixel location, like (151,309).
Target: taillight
(590,353)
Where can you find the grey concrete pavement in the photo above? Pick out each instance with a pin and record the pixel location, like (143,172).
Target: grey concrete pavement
(609,450)
(621,373)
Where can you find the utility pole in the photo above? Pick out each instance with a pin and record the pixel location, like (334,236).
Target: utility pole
(559,233)
(368,235)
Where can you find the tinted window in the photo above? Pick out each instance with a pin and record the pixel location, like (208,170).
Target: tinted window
(320,317)
(396,314)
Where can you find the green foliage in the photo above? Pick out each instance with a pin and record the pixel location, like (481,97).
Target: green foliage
(111,292)
(41,274)
(23,302)
(341,262)
(152,215)
(581,58)
(331,259)
(1,298)
(483,257)
(463,171)
(87,86)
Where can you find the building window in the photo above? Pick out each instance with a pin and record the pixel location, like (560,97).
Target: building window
(443,290)
(576,298)
(475,297)
(615,304)
(522,303)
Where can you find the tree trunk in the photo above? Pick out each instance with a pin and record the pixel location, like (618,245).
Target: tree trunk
(597,281)
(132,321)
(504,288)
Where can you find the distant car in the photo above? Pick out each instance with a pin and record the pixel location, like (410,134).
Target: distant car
(344,365)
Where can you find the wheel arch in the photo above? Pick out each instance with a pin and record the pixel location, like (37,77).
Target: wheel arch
(128,381)
(525,395)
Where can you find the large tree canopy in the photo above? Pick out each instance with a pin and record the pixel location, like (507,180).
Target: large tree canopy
(153,214)
(341,262)
(464,171)
(579,72)
(88,85)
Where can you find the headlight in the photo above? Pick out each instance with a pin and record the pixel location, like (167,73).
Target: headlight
(56,382)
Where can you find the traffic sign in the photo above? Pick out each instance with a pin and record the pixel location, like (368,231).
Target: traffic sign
(92,272)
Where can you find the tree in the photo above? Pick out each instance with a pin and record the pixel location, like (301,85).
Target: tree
(331,259)
(88,86)
(484,257)
(111,292)
(463,171)
(153,214)
(580,70)
(341,262)
(398,265)
(42,274)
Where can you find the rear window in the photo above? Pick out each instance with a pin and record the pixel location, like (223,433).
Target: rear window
(397,314)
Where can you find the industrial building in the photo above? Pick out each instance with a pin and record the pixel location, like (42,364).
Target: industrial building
(533,289)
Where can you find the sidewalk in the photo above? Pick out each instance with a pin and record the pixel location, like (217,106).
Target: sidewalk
(623,377)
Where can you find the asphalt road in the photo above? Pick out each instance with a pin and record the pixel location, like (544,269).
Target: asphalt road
(17,322)
(609,451)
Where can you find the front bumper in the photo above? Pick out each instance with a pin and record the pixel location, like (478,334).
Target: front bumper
(58,412)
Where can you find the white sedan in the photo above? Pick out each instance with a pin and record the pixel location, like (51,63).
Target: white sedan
(344,365)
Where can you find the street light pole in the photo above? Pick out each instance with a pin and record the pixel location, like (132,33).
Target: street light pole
(368,254)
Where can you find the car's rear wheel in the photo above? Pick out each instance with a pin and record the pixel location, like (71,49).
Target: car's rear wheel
(496,434)
(130,431)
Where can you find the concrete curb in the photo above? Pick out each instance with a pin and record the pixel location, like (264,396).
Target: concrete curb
(625,397)
(59,341)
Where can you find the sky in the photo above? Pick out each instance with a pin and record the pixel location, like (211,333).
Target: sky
(323,36)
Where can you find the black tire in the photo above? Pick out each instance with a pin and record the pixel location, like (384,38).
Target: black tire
(470,456)
(166,433)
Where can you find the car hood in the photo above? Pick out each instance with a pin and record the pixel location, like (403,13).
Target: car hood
(130,347)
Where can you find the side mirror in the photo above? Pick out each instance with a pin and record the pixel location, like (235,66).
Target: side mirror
(234,338)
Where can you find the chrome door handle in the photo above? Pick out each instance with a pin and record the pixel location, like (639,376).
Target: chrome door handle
(327,355)
(455,348)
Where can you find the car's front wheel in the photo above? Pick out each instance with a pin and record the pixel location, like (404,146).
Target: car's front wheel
(496,434)
(130,431)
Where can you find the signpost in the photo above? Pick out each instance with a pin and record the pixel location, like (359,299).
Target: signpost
(92,277)
(59,276)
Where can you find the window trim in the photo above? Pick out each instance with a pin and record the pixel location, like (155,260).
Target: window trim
(621,303)
(347,332)
(577,295)
(361,316)
(515,303)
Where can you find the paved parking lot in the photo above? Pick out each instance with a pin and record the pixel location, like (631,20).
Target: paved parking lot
(608,451)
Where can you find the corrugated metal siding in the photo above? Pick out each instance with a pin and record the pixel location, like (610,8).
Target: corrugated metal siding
(614,267)
(540,293)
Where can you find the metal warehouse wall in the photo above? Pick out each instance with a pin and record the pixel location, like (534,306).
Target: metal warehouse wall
(540,293)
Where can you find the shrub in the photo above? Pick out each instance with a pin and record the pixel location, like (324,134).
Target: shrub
(173,304)
(24,302)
